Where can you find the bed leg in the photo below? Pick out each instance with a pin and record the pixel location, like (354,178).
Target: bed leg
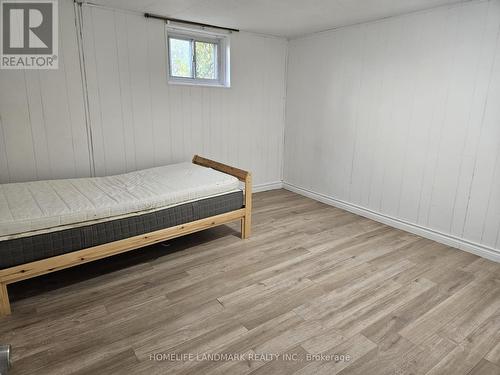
(246,221)
(245,228)
(4,300)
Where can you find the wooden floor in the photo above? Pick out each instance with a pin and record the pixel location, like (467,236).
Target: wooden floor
(313,279)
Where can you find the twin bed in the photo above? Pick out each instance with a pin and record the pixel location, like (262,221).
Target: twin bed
(46,226)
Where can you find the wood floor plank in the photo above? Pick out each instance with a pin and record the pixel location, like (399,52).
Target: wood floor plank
(353,296)
(252,338)
(289,362)
(401,317)
(462,326)
(355,348)
(321,342)
(206,343)
(494,354)
(312,279)
(432,321)
(112,365)
(466,356)
(362,318)
(394,355)
(485,367)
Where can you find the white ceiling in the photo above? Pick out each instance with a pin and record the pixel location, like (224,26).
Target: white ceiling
(288,18)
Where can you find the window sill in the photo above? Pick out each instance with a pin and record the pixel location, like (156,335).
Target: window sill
(200,84)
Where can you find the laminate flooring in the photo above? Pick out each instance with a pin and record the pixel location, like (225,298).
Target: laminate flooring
(315,290)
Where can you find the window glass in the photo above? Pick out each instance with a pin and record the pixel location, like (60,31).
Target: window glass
(181,57)
(206,60)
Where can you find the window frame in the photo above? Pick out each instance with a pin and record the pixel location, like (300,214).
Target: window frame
(222,59)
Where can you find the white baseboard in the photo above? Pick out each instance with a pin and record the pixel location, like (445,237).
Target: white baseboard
(459,243)
(267,186)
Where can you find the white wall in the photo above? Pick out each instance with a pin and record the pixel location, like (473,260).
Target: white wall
(400,119)
(139,120)
(42,120)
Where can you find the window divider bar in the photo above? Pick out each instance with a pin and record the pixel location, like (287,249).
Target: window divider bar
(193,47)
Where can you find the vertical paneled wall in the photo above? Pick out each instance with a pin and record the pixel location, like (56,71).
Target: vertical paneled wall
(42,119)
(402,117)
(139,120)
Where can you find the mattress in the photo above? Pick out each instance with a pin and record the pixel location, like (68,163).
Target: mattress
(23,250)
(33,208)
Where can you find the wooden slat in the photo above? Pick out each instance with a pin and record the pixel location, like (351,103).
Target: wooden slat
(60,262)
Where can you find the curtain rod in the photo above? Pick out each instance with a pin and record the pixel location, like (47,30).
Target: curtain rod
(150,15)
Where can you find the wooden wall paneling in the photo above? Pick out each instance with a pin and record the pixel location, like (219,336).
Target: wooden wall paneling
(122,47)
(74,91)
(95,114)
(482,215)
(16,128)
(468,40)
(42,114)
(4,165)
(157,68)
(140,85)
(39,126)
(414,135)
(242,124)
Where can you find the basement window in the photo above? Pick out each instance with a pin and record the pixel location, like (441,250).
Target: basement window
(198,58)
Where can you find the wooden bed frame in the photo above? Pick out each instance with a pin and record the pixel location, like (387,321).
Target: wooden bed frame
(44,266)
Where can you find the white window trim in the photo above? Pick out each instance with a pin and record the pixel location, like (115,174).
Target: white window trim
(223,56)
